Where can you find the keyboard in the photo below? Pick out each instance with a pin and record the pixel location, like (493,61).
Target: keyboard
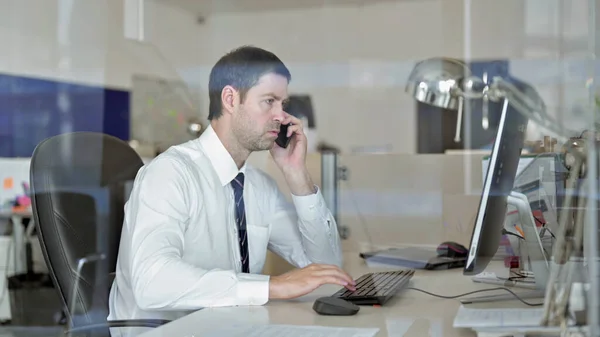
(376,288)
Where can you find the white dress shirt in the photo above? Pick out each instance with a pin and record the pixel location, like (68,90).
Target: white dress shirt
(179,248)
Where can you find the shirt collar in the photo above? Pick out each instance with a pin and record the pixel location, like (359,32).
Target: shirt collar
(219,157)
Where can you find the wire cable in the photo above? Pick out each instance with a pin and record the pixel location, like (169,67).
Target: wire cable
(545,227)
(520,275)
(539,221)
(549,231)
(505,232)
(475,292)
(363,223)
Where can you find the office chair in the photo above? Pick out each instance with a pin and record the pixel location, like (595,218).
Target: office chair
(78,191)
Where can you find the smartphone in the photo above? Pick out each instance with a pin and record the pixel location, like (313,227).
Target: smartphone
(282,139)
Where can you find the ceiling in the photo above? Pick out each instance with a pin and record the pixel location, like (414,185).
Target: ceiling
(208,7)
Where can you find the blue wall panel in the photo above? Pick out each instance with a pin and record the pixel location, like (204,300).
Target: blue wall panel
(32,110)
(116,107)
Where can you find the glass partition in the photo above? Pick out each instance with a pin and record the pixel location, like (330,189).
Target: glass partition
(414,166)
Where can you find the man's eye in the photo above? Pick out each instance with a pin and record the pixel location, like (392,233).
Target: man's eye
(270,101)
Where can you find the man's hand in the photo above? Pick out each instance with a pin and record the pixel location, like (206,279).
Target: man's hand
(292,159)
(300,282)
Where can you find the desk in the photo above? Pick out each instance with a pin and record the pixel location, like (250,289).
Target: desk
(19,235)
(20,262)
(409,314)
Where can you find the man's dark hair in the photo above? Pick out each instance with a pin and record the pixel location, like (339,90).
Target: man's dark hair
(241,68)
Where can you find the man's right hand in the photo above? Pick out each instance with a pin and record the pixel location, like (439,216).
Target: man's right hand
(300,282)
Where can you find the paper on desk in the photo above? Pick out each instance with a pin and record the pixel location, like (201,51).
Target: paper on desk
(476,318)
(290,331)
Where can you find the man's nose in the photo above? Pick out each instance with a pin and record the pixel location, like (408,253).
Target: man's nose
(279,115)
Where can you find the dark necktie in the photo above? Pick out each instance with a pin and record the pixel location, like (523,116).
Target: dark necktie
(240,220)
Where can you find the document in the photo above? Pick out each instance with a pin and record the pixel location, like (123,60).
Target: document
(247,330)
(498,317)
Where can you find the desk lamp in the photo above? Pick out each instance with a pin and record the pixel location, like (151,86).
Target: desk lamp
(446,83)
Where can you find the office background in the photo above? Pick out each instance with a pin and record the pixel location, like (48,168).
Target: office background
(352,57)
(73,65)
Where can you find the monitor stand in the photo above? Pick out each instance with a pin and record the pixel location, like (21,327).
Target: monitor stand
(539,261)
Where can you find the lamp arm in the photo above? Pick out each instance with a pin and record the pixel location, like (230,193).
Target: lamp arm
(459,120)
(535,111)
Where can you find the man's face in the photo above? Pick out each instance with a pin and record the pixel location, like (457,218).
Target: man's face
(257,119)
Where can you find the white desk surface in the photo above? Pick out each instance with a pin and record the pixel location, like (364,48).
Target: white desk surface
(18,234)
(7,213)
(408,314)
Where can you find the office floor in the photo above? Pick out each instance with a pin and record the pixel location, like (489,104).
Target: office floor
(34,313)
(31,332)
(34,309)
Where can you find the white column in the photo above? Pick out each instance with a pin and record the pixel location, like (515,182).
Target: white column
(134,19)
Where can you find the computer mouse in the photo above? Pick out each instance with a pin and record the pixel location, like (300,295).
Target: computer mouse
(335,306)
(452,249)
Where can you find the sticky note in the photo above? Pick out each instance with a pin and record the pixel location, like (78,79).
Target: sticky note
(8,183)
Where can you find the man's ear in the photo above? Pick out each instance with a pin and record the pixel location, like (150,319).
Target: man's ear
(228,98)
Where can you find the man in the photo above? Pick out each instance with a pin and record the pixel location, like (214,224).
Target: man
(199,220)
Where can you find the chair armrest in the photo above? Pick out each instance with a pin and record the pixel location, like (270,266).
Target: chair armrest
(93,258)
(127,323)
(148,323)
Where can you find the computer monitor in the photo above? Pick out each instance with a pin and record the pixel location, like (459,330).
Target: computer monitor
(497,186)
(302,106)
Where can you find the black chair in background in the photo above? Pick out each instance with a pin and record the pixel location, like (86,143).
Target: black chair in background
(78,189)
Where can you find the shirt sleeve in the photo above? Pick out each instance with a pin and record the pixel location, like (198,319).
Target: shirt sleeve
(304,231)
(156,219)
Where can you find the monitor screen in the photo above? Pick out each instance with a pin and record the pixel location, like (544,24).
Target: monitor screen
(498,184)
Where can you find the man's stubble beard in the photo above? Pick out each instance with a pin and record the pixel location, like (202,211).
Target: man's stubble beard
(259,144)
(246,136)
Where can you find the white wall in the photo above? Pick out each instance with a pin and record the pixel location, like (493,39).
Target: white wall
(352,59)
(83,41)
